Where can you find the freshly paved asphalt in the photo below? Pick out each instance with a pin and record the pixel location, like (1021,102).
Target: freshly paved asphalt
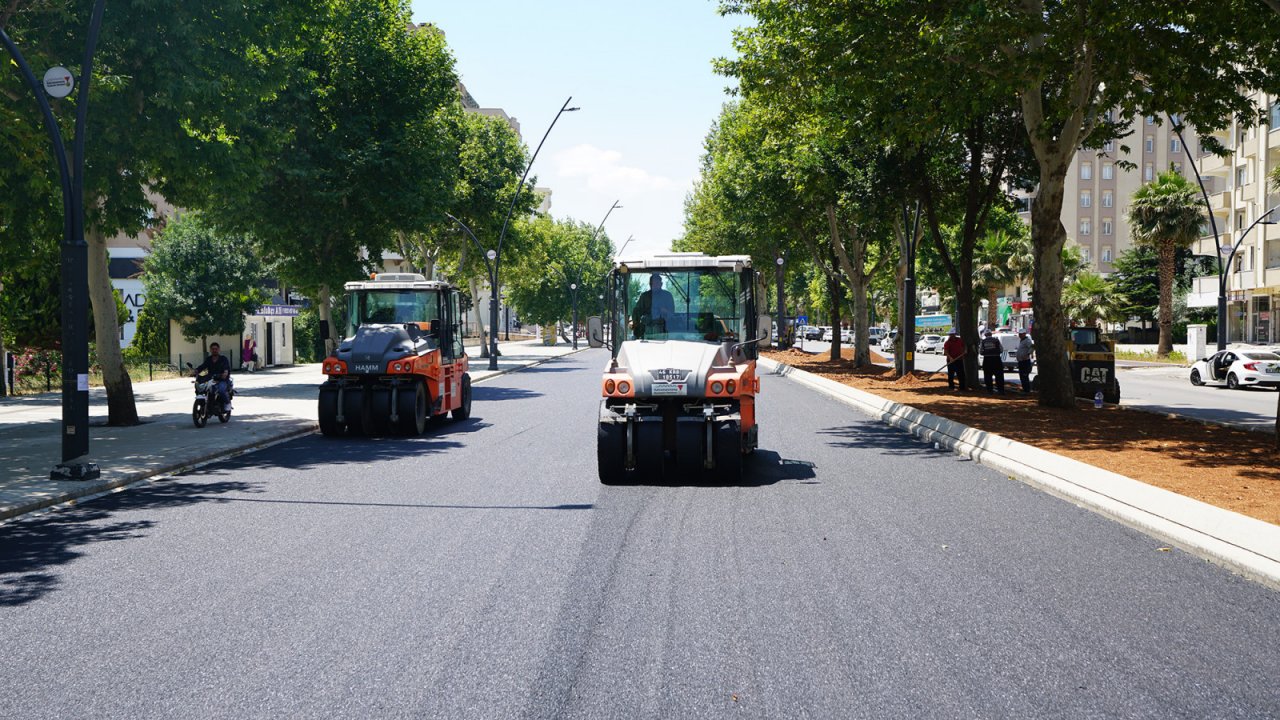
(481,571)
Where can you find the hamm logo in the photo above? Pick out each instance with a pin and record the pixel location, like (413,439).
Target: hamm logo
(670,375)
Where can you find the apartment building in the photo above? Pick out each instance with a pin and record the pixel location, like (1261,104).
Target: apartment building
(1239,194)
(1101,183)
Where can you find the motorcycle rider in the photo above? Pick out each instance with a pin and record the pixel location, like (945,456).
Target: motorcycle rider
(218,367)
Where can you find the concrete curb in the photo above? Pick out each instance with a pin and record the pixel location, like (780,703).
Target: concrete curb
(181,466)
(188,464)
(1245,545)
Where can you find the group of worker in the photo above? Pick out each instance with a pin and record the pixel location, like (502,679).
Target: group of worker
(991,350)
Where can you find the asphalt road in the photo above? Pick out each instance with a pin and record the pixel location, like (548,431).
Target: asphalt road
(482,572)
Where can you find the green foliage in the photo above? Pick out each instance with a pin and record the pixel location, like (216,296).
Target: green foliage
(151,337)
(1090,298)
(367,152)
(205,280)
(306,336)
(559,253)
(1166,211)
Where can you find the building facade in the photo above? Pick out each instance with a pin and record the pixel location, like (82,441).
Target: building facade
(1240,193)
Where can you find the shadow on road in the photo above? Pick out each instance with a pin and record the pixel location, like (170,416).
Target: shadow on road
(488,393)
(760,469)
(882,437)
(425,506)
(30,550)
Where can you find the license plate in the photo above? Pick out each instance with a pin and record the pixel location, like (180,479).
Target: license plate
(670,389)
(1273,370)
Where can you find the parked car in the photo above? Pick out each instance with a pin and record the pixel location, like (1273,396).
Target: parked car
(888,339)
(929,343)
(875,334)
(1237,369)
(846,336)
(813,332)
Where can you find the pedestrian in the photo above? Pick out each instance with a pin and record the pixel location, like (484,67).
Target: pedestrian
(1025,349)
(992,364)
(247,353)
(953,349)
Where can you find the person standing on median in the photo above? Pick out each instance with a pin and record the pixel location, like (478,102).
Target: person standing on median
(992,364)
(1025,349)
(953,349)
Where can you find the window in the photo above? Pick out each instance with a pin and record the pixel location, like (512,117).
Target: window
(1108,198)
(1175,145)
(1108,171)
(1110,115)
(1148,172)
(1085,255)
(1149,145)
(1086,227)
(1086,198)
(1275,115)
(1106,230)
(1086,171)
(1106,254)
(1239,221)
(1242,175)
(1151,119)
(1109,146)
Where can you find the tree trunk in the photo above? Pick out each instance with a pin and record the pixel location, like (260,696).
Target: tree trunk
(4,365)
(853,263)
(900,278)
(121,409)
(1166,252)
(1048,236)
(837,297)
(428,265)
(993,317)
(325,312)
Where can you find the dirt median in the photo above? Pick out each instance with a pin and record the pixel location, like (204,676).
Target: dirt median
(1230,468)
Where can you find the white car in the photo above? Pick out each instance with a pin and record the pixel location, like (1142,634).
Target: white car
(846,336)
(1237,369)
(929,343)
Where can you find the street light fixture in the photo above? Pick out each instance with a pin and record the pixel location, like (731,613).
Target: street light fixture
(496,258)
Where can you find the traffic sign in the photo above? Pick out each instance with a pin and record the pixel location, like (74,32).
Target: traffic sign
(802,319)
(58,82)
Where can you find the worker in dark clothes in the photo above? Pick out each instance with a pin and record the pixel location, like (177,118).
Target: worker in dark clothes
(992,365)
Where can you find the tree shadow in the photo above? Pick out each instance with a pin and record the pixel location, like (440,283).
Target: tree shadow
(889,440)
(488,393)
(32,548)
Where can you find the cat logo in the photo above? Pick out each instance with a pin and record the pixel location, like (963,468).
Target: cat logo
(1093,375)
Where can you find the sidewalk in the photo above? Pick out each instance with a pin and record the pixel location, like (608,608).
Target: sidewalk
(271,405)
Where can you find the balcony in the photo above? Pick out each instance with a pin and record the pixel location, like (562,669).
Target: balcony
(1242,280)
(1214,166)
(1204,292)
(1207,245)
(1271,277)
(1222,203)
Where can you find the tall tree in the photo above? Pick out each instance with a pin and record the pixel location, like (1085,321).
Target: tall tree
(1166,215)
(1090,299)
(368,155)
(559,253)
(175,107)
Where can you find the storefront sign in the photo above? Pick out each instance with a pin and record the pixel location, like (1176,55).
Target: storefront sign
(278,311)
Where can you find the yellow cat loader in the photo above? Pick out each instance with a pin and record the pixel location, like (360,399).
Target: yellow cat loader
(1093,364)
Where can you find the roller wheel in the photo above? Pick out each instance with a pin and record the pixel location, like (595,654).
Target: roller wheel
(327,411)
(198,415)
(611,453)
(690,438)
(355,411)
(379,418)
(728,452)
(411,406)
(649,455)
(463,411)
(1196,379)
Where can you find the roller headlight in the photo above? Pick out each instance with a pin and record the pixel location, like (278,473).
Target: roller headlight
(733,385)
(609,386)
(396,367)
(624,387)
(717,387)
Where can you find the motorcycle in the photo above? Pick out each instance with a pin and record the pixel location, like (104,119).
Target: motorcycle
(207,403)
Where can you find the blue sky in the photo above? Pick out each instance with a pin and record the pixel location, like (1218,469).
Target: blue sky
(641,72)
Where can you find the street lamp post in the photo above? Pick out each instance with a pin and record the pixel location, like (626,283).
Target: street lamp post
(574,288)
(489,257)
(497,260)
(780,279)
(75,261)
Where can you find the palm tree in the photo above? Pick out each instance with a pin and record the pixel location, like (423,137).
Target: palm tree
(1091,298)
(1000,260)
(1166,214)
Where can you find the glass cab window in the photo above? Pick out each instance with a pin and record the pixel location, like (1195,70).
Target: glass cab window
(702,305)
(391,307)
